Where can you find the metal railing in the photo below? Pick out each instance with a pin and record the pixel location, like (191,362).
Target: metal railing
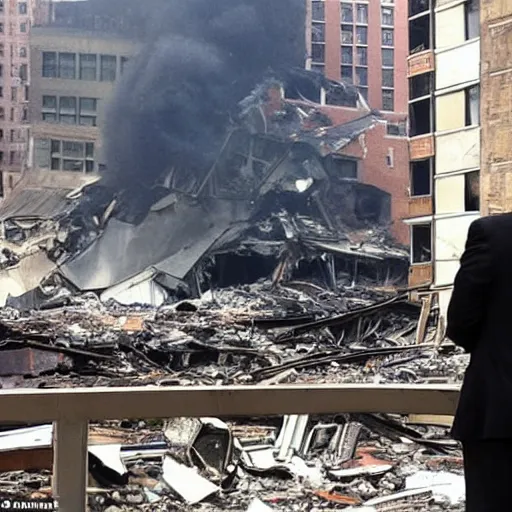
(73,409)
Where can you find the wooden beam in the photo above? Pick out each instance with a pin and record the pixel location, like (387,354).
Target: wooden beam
(155,402)
(70,469)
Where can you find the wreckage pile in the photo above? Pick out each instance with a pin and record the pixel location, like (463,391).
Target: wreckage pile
(294,332)
(273,266)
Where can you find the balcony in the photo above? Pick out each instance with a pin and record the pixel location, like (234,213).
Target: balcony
(421,274)
(419,63)
(420,206)
(421,147)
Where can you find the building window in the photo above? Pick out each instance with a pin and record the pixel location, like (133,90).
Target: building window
(24,72)
(363,91)
(421,178)
(49,112)
(362,13)
(388,100)
(49,65)
(472,18)
(397,129)
(67,66)
(88,64)
(318,52)
(125,60)
(23,52)
(1,92)
(420,85)
(1,49)
(387,16)
(23,28)
(347,34)
(14,94)
(108,68)
(318,33)
(346,55)
(318,12)
(13,135)
(388,77)
(72,156)
(342,167)
(472,191)
(362,56)
(387,37)
(347,74)
(421,243)
(2,113)
(347,13)
(22,8)
(388,57)
(88,109)
(362,35)
(362,76)
(472,105)
(418,6)
(420,117)
(319,68)
(419,34)
(67,110)
(1,28)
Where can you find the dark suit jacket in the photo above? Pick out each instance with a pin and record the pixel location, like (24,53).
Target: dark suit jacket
(480,321)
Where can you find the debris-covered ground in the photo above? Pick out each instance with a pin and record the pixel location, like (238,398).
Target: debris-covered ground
(295,332)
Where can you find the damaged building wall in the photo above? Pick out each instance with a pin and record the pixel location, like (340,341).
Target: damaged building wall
(383,161)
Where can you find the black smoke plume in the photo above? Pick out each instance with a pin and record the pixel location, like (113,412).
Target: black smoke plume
(174,104)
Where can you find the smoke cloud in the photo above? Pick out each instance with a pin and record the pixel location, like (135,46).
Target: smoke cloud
(178,97)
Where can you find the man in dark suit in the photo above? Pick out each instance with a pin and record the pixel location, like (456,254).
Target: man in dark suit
(480,321)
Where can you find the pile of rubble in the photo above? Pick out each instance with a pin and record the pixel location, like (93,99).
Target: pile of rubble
(351,462)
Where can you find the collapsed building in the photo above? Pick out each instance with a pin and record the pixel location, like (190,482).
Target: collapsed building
(280,202)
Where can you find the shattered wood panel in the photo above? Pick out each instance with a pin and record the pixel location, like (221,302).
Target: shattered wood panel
(451,111)
(420,206)
(420,63)
(458,65)
(450,26)
(457,151)
(36,459)
(421,147)
(420,274)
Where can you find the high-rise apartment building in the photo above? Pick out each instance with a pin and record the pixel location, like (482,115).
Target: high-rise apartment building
(16,20)
(444,117)
(363,43)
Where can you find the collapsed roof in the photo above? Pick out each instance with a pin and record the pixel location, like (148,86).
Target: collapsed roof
(275,190)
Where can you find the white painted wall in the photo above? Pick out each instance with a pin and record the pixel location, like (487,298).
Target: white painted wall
(456,151)
(459,65)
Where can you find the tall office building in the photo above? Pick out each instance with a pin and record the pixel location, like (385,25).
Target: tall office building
(363,43)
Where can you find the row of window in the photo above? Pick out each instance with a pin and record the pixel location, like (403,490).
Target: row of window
(22,7)
(64,155)
(70,110)
(23,27)
(14,93)
(84,66)
(351,13)
(420,27)
(22,51)
(421,115)
(12,118)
